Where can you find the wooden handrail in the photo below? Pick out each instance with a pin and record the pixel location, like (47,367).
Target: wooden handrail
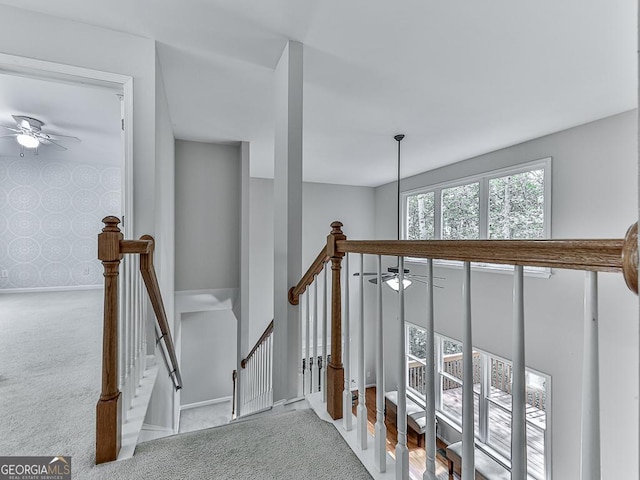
(307,279)
(607,255)
(155,296)
(260,341)
(111,249)
(594,255)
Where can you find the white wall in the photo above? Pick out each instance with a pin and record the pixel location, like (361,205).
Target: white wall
(209,355)
(322,204)
(594,196)
(62,41)
(161,410)
(207,180)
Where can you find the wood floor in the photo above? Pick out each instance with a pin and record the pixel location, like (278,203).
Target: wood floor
(416,454)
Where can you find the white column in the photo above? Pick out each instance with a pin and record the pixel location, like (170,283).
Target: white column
(242,315)
(590,421)
(402,452)
(347,416)
(325,347)
(468,434)
(362,405)
(519,387)
(288,216)
(314,375)
(380,440)
(307,350)
(430,382)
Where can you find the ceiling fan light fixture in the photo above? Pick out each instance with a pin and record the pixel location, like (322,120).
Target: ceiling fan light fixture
(27,141)
(394,283)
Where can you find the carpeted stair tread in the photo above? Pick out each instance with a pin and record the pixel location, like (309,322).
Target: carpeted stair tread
(293,445)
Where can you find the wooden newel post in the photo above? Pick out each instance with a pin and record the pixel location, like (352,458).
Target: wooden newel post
(630,258)
(335,370)
(109,408)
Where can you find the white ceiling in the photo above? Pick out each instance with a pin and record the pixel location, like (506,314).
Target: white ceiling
(88,112)
(458,78)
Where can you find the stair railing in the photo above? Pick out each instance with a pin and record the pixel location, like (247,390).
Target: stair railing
(591,256)
(123,347)
(257,375)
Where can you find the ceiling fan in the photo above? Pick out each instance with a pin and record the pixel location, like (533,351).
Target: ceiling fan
(28,133)
(392,277)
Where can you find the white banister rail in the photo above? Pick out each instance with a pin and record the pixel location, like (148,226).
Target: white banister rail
(257,374)
(468,432)
(590,418)
(430,389)
(402,452)
(324,334)
(315,367)
(362,397)
(519,388)
(346,330)
(307,353)
(419,374)
(380,443)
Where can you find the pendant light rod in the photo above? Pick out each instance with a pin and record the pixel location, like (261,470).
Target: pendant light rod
(398,138)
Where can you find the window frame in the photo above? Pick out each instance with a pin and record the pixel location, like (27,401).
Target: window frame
(483,179)
(483,399)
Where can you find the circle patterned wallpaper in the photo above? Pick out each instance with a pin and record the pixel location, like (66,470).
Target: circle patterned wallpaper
(51,212)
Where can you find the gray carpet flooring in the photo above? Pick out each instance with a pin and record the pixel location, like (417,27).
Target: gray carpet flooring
(50,347)
(293,445)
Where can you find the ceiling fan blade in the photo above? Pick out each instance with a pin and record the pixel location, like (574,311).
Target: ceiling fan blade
(13,129)
(49,141)
(9,135)
(426,283)
(415,275)
(357,274)
(57,135)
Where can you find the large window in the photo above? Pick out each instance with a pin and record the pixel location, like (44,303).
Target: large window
(512,203)
(492,383)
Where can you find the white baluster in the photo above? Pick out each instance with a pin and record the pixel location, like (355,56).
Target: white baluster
(362,405)
(122,338)
(130,337)
(300,348)
(314,376)
(307,351)
(143,323)
(347,416)
(324,335)
(590,422)
(137,328)
(269,372)
(380,451)
(519,387)
(402,452)
(468,434)
(430,382)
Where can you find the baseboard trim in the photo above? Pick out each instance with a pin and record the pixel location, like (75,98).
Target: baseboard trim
(70,288)
(205,403)
(156,428)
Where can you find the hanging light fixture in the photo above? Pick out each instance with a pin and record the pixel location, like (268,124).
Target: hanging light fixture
(391,276)
(393,280)
(27,141)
